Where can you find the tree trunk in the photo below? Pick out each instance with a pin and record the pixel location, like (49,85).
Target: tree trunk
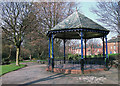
(30,57)
(118,45)
(91,49)
(17,55)
(9,54)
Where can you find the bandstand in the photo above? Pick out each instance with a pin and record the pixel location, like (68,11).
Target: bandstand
(76,26)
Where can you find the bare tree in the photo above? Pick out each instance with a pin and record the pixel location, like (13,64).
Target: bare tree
(51,13)
(109,14)
(15,21)
(91,43)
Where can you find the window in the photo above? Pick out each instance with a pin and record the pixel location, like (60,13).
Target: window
(114,52)
(114,47)
(111,47)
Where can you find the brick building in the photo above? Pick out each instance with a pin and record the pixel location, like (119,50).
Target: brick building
(76,49)
(113,47)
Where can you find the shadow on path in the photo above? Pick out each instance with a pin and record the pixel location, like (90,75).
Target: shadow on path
(45,79)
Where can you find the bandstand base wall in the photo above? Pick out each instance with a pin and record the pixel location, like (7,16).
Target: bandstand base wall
(70,71)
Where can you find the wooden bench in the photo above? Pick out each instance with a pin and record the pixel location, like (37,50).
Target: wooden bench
(39,61)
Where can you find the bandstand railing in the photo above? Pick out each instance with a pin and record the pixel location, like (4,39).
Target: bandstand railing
(89,63)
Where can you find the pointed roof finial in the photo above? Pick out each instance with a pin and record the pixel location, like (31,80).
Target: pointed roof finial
(76,9)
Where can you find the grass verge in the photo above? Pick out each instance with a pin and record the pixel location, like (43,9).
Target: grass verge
(24,61)
(8,68)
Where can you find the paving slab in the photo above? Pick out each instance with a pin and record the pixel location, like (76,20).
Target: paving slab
(35,73)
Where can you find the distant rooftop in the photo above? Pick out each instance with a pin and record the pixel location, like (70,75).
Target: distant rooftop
(114,39)
(78,47)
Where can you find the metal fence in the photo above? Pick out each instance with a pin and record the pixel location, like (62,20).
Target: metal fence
(89,63)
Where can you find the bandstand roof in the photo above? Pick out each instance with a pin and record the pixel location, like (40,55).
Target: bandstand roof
(74,24)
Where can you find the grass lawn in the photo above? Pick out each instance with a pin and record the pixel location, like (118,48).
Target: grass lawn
(25,61)
(8,68)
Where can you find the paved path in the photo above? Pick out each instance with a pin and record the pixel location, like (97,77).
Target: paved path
(36,74)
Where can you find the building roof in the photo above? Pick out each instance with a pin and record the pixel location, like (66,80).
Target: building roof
(94,46)
(114,39)
(77,22)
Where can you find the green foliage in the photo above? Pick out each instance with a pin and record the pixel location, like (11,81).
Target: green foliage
(25,61)
(5,51)
(95,56)
(43,60)
(20,59)
(113,54)
(5,61)
(59,58)
(89,56)
(77,56)
(8,50)
(100,55)
(9,68)
(74,56)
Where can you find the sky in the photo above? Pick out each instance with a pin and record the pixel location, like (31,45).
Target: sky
(86,10)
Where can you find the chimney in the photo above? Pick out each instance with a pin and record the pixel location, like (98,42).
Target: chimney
(118,36)
(113,37)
